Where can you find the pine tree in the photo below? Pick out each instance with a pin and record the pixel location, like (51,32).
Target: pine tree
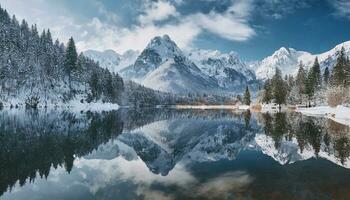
(310,86)
(326,76)
(316,73)
(35,66)
(71,59)
(338,73)
(267,96)
(239,98)
(279,88)
(294,96)
(246,97)
(347,72)
(94,85)
(291,81)
(301,79)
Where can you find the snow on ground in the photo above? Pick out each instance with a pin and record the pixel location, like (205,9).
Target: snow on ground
(243,107)
(340,114)
(205,107)
(72,106)
(77,106)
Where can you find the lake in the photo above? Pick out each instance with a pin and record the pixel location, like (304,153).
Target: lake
(172,154)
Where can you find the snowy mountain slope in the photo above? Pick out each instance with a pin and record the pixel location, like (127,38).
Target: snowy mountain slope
(111,60)
(163,66)
(157,52)
(227,69)
(176,77)
(288,59)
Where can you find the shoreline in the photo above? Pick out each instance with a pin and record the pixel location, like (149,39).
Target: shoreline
(339,114)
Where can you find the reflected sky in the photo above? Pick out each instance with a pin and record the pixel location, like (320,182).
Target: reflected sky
(175,155)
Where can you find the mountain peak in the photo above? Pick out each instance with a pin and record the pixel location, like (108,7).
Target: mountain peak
(288,59)
(164,47)
(283,51)
(111,60)
(158,41)
(346,45)
(111,52)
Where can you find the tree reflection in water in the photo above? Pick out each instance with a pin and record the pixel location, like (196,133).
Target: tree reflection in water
(31,142)
(309,131)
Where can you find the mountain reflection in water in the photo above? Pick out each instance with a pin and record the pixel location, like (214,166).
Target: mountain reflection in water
(172,154)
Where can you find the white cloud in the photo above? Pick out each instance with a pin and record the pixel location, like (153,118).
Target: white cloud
(102,10)
(45,15)
(232,24)
(103,31)
(342,7)
(158,11)
(103,36)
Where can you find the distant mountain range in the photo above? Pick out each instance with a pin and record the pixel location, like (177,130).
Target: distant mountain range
(163,66)
(288,59)
(111,60)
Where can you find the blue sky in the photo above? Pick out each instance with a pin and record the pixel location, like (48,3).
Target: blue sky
(252,28)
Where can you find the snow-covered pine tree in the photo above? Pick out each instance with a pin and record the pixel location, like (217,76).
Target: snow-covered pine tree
(246,97)
(70,62)
(279,88)
(267,94)
(32,66)
(338,73)
(326,75)
(347,71)
(294,96)
(301,79)
(310,86)
(316,73)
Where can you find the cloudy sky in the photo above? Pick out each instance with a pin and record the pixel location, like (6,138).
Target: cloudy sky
(252,28)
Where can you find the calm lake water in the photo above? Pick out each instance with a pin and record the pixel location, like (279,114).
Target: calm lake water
(172,154)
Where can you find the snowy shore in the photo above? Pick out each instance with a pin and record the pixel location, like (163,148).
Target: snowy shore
(93,106)
(72,106)
(205,107)
(340,114)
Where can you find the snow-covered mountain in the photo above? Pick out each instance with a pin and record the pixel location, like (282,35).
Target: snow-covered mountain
(227,69)
(177,76)
(288,59)
(111,60)
(163,66)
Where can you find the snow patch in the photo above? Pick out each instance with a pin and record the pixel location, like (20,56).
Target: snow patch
(340,114)
(77,106)
(243,107)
